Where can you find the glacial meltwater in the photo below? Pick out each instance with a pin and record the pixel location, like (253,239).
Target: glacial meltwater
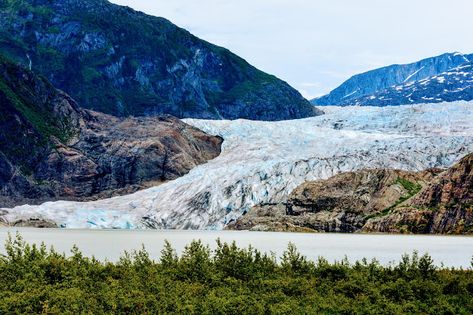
(452,251)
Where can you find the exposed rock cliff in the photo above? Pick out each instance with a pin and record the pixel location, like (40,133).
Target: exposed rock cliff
(342,203)
(375,201)
(444,206)
(51,149)
(122,62)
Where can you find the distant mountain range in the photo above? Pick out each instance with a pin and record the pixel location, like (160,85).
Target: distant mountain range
(118,61)
(445,78)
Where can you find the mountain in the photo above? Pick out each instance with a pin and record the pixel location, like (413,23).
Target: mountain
(118,61)
(393,85)
(377,200)
(51,149)
(263,162)
(453,85)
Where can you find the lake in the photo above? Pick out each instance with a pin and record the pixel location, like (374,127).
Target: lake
(452,251)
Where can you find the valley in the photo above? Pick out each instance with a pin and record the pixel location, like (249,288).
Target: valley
(263,162)
(236,157)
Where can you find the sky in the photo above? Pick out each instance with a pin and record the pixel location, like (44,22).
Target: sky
(315,45)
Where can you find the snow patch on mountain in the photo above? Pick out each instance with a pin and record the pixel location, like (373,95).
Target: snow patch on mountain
(262,162)
(453,85)
(376,81)
(413,74)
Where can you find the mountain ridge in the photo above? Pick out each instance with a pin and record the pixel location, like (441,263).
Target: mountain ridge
(123,62)
(455,84)
(359,89)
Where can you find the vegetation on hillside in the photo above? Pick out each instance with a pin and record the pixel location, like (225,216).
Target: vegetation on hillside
(228,280)
(20,92)
(122,62)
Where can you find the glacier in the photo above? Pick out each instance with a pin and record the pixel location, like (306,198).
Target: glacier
(262,162)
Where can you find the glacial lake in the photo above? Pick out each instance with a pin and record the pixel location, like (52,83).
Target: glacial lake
(452,251)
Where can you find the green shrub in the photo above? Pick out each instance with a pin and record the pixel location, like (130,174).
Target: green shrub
(227,280)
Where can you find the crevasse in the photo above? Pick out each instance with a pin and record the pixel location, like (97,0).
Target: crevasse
(262,162)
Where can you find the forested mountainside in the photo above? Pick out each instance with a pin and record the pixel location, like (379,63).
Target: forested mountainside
(119,61)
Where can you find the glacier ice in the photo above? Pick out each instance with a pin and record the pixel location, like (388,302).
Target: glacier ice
(262,162)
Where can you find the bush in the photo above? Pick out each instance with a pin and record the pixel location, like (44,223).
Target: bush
(227,280)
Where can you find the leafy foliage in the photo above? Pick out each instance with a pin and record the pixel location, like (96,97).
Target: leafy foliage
(20,96)
(412,188)
(227,280)
(122,62)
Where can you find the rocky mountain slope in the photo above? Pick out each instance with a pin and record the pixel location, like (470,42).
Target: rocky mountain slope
(122,62)
(50,149)
(453,85)
(444,206)
(444,78)
(377,200)
(263,162)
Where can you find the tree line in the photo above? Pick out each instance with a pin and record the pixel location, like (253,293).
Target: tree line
(227,280)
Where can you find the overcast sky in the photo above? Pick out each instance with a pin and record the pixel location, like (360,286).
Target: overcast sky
(317,44)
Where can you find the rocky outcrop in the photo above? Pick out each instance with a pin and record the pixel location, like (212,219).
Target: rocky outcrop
(444,206)
(50,149)
(122,62)
(453,187)
(342,203)
(31,222)
(363,192)
(388,201)
(443,78)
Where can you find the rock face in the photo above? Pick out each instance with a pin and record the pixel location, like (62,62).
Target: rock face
(50,149)
(444,206)
(445,78)
(122,62)
(341,203)
(391,201)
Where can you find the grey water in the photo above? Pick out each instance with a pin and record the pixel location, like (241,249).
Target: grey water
(451,251)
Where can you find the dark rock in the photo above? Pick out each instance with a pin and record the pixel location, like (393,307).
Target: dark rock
(50,149)
(36,223)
